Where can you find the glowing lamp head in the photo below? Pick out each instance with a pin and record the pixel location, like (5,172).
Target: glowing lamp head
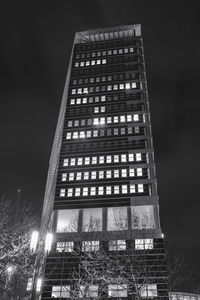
(34,240)
(48,242)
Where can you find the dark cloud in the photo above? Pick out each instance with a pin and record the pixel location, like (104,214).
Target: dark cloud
(36,40)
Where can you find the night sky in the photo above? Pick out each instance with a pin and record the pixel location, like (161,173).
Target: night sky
(36,40)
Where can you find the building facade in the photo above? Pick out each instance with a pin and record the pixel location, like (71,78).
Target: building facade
(101,193)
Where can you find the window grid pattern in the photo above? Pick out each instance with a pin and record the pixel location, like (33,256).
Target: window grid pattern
(143,244)
(105,190)
(126,118)
(88,246)
(64,246)
(59,291)
(106,159)
(105,132)
(106,52)
(104,174)
(107,88)
(117,245)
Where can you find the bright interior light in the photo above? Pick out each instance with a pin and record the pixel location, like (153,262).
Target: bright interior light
(34,240)
(29,284)
(48,241)
(38,285)
(10,269)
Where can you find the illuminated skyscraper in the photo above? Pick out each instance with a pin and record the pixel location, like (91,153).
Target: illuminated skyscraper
(101,189)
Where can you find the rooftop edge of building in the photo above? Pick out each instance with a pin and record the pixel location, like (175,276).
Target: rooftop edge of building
(107,33)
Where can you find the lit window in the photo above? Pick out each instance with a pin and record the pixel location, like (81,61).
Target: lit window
(100,190)
(68,136)
(88,292)
(108,174)
(82,64)
(95,133)
(132,188)
(108,159)
(115,87)
(94,160)
(129,118)
(101,159)
(124,189)
(122,130)
(116,173)
(62,192)
(103,61)
(133,85)
(64,176)
(108,190)
(87,63)
(90,246)
(59,291)
(67,220)
(109,120)
(124,172)
(65,162)
(78,176)
(96,99)
(96,110)
(87,160)
(109,78)
(117,218)
(116,189)
(80,161)
(135,118)
(103,98)
(137,130)
(85,191)
(148,290)
(72,102)
(121,86)
(139,171)
(102,121)
(78,101)
(73,161)
(122,119)
(77,192)
(101,174)
(131,157)
(115,245)
(71,176)
(96,121)
(115,51)
(138,157)
(140,188)
(69,123)
(84,100)
(126,50)
(69,192)
(116,291)
(88,133)
(85,90)
(131,172)
(116,158)
(76,64)
(109,52)
(92,219)
(82,134)
(120,51)
(86,176)
(93,62)
(73,91)
(131,50)
(143,244)
(64,246)
(104,53)
(75,135)
(79,91)
(116,119)
(109,88)
(93,191)
(102,108)
(93,175)
(127,86)
(98,62)
(123,157)
(142,217)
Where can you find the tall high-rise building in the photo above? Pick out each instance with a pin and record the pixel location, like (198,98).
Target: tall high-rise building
(101,193)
